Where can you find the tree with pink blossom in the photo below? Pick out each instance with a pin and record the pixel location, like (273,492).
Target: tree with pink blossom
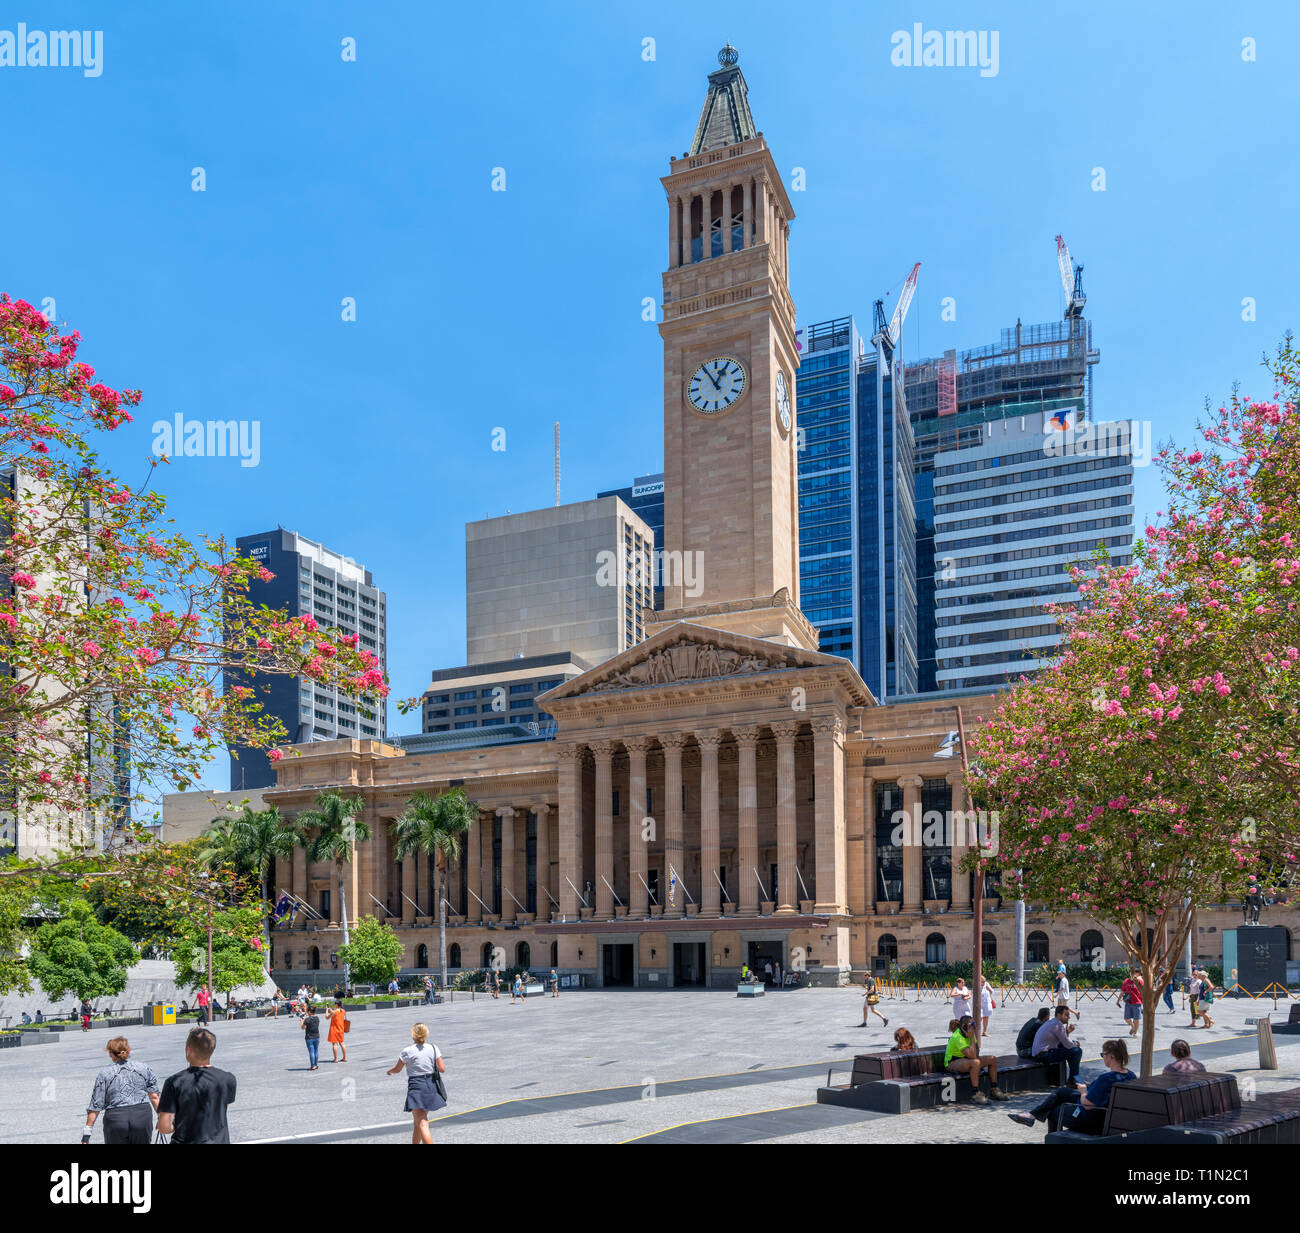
(1153,767)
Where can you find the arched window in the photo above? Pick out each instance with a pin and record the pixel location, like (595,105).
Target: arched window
(555,954)
(936,948)
(989,947)
(287,960)
(422,956)
(315,958)
(453,955)
(887,947)
(1036,947)
(523,956)
(1090,944)
(485,961)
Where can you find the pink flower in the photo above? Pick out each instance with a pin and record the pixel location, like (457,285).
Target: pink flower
(26,581)
(275,755)
(92,649)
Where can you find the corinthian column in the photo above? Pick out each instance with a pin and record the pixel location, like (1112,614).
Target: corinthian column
(509,909)
(604,751)
(569,828)
(541,811)
(830,884)
(787,881)
(747,821)
(710,823)
(638,896)
(911,843)
(672,743)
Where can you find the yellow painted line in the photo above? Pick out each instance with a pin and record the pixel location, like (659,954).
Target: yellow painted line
(730,1117)
(618,1087)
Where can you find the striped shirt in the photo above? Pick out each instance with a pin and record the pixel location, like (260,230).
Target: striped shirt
(122,1084)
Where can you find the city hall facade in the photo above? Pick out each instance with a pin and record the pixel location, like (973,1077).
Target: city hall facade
(722,792)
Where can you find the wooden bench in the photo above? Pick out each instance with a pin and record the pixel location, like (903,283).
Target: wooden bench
(1195,1108)
(895,1082)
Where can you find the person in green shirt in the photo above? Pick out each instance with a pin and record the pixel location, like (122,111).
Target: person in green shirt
(961,1057)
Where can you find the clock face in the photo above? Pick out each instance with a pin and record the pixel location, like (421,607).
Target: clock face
(783,401)
(716,384)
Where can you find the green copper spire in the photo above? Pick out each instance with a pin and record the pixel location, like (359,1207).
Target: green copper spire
(726,118)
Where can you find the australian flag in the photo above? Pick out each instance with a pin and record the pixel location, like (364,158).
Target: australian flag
(672,890)
(283,907)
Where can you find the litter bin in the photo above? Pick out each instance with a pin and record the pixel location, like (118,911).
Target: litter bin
(163,1013)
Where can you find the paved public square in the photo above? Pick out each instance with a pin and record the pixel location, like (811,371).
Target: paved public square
(598,1067)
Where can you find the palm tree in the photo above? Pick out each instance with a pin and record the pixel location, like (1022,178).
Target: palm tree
(338,831)
(436,825)
(251,841)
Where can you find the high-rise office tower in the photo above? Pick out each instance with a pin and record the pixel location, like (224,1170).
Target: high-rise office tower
(1036,493)
(336,591)
(857,558)
(645,498)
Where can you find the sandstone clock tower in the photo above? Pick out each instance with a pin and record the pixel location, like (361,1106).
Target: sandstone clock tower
(731,518)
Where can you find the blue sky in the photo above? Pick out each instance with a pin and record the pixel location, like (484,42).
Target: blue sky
(479,310)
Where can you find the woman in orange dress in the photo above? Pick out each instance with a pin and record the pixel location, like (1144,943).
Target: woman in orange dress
(338,1025)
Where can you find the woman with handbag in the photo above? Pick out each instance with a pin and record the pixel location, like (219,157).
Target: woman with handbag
(870,999)
(338,1028)
(425,1092)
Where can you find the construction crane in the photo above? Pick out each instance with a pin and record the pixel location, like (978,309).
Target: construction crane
(1071,280)
(885,337)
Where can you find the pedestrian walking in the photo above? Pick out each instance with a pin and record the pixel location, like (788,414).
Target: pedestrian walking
(86,1012)
(1194,996)
(1088,1116)
(311,1034)
(961,1057)
(496,984)
(767,971)
(393,985)
(126,1093)
(961,997)
(422,1063)
(193,1103)
(339,1026)
(1184,1063)
(276,998)
(203,1002)
(1131,992)
(1063,995)
(555,983)
(517,989)
(776,973)
(1169,996)
(987,1005)
(870,999)
(428,990)
(1207,998)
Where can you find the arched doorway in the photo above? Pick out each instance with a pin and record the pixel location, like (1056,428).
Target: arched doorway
(315,958)
(555,954)
(523,955)
(1092,947)
(422,956)
(936,948)
(1036,947)
(989,947)
(453,955)
(485,959)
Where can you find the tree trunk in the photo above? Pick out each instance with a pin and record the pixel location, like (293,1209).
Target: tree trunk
(266,931)
(442,921)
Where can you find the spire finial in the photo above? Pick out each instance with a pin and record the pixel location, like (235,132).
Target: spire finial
(728,56)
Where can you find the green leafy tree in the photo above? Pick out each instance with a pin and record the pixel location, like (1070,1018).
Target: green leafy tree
(437,825)
(251,841)
(15,903)
(237,950)
(374,953)
(79,955)
(338,829)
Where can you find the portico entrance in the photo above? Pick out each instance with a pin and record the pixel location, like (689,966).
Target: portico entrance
(617,969)
(688,964)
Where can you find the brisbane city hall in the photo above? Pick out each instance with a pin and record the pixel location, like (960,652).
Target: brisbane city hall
(722,792)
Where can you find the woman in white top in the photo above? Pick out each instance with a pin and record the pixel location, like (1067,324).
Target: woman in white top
(420,1059)
(960,999)
(987,1006)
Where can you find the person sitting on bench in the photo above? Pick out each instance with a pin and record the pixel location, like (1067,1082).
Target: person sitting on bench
(1053,1043)
(1184,1063)
(961,1057)
(1088,1117)
(1025,1037)
(904,1041)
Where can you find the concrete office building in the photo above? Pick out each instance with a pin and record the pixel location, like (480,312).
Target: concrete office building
(1029,371)
(495,695)
(185,815)
(1011,513)
(310,580)
(568,579)
(645,497)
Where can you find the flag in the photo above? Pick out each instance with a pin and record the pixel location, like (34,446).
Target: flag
(283,907)
(672,890)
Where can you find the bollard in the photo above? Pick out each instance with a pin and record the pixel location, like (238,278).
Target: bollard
(1267,1052)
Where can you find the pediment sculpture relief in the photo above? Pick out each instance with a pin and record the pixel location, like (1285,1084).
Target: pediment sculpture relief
(689,661)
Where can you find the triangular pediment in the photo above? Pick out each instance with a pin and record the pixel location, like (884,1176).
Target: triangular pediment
(686,654)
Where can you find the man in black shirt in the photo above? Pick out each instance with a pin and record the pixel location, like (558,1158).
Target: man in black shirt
(1025,1038)
(192,1107)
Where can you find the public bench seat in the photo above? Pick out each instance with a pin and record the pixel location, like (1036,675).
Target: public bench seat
(1198,1108)
(896,1082)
